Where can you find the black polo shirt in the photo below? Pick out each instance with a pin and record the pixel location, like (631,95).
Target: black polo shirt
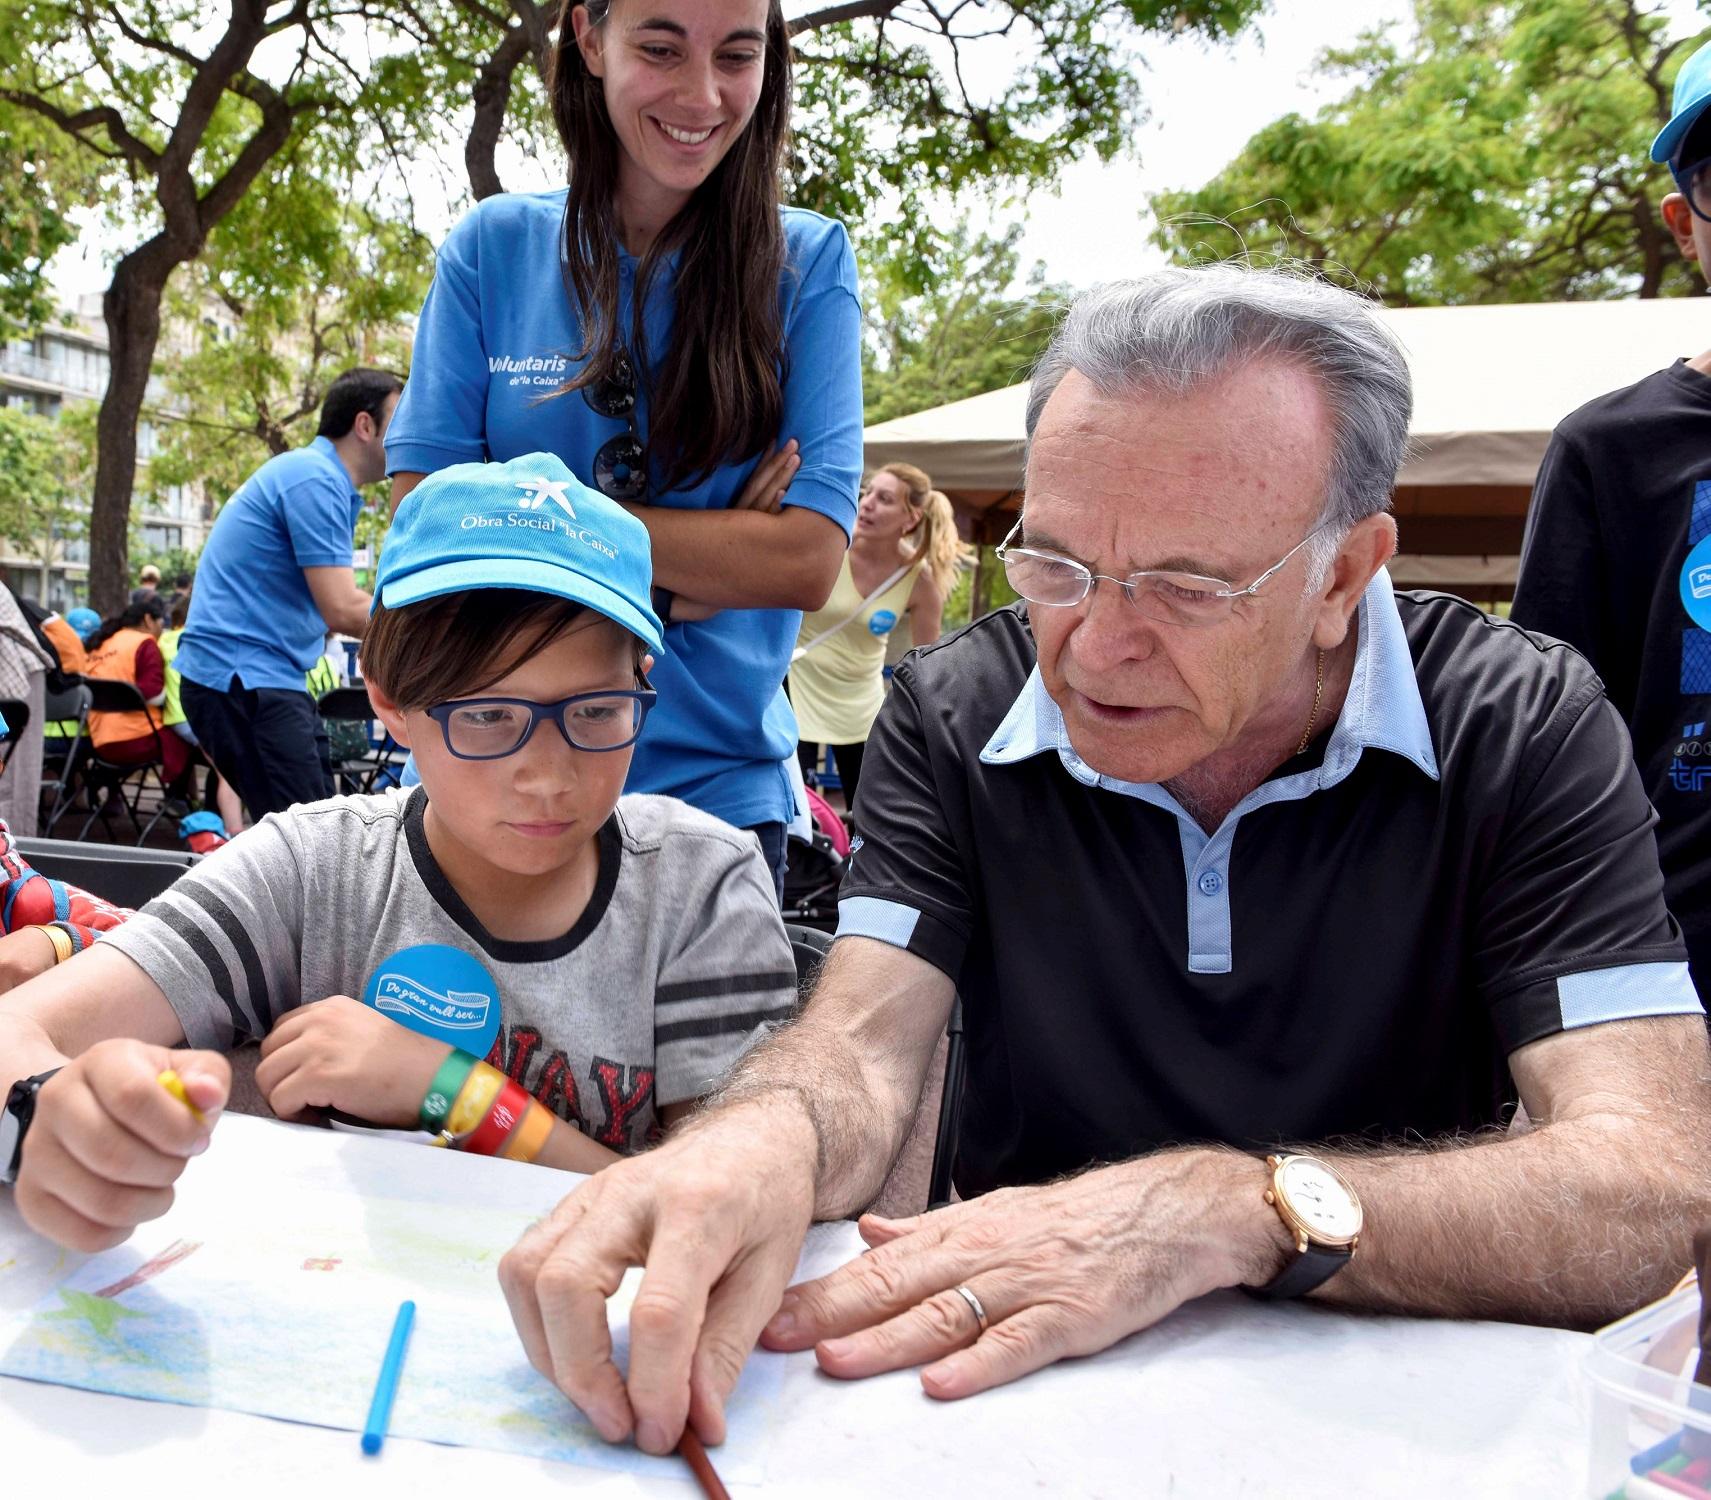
(1461,864)
(1614,563)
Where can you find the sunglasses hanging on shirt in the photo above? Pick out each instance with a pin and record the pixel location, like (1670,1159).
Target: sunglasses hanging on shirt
(620,463)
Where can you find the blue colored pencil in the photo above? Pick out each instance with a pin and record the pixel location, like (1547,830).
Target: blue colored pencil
(386,1387)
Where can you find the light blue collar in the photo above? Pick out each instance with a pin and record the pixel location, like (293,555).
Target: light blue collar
(1382,711)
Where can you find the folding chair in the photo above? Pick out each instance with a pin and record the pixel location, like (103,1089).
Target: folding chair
(108,780)
(60,753)
(379,762)
(126,877)
(16,713)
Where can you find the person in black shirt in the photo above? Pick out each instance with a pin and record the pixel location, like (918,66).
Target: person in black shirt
(1229,849)
(1616,559)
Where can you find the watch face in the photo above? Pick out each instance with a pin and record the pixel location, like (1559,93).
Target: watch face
(1327,1209)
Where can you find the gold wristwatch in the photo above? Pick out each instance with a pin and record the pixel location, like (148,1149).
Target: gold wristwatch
(1322,1213)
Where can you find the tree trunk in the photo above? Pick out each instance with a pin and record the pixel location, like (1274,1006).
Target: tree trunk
(491,96)
(1653,242)
(132,309)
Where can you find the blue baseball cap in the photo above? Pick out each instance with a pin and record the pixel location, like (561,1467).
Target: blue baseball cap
(84,621)
(1692,94)
(526,524)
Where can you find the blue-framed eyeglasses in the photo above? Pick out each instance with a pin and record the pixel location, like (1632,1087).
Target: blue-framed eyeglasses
(492,728)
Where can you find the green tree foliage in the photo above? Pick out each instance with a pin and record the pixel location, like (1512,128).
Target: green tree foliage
(178,110)
(39,184)
(1497,155)
(966,335)
(45,464)
(299,283)
(887,117)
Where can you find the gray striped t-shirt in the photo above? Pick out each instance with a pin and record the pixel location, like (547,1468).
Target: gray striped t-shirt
(668,977)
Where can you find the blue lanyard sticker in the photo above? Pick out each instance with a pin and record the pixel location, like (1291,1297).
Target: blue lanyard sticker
(440,992)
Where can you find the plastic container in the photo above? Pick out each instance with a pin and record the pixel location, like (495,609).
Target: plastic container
(1647,1412)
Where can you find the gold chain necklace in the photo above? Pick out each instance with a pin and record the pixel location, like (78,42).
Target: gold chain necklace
(1318,693)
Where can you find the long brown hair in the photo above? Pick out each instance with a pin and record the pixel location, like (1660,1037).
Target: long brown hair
(719,395)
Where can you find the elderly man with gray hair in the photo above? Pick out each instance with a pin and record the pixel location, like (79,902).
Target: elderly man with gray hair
(1270,894)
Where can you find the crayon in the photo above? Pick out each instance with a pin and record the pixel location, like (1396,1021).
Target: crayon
(386,1387)
(174,1085)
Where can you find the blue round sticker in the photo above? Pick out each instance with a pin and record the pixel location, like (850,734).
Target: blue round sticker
(881,621)
(440,992)
(1696,584)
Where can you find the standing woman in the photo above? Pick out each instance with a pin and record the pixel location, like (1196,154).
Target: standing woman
(685,345)
(901,564)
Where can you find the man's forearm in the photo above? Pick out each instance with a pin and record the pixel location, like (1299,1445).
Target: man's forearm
(1575,1223)
(353,619)
(848,1073)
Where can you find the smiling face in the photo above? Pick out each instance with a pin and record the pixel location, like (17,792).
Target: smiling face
(534,812)
(1223,482)
(885,511)
(681,79)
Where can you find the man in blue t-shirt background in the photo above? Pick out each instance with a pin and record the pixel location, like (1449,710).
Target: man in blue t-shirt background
(276,575)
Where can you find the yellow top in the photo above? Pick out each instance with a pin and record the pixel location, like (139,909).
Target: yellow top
(838,687)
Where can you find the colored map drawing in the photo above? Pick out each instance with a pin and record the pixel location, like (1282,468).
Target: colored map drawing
(217,1311)
(99,1311)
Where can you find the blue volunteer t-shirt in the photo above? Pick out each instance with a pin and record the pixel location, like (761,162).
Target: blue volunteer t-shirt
(494,343)
(252,616)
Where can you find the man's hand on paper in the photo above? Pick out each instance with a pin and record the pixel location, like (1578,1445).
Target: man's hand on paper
(1059,1270)
(340,1054)
(107,1140)
(716,1215)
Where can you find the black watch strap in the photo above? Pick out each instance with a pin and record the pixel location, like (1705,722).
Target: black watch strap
(21,1107)
(1312,1267)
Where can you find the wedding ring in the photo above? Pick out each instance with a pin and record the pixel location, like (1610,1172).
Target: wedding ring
(973,1305)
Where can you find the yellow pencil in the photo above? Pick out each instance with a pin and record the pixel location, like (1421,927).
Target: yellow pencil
(174,1085)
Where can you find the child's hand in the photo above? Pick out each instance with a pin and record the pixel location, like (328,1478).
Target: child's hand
(108,1141)
(340,1054)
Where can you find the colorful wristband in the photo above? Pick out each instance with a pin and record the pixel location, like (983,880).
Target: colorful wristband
(531,1135)
(473,1101)
(453,1074)
(491,1134)
(61,940)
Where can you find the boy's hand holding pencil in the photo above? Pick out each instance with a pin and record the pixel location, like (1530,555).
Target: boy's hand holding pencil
(112,1131)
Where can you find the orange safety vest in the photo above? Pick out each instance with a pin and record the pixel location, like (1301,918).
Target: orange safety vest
(116,659)
(66,642)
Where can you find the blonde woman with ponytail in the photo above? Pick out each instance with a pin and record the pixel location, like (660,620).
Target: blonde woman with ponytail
(899,567)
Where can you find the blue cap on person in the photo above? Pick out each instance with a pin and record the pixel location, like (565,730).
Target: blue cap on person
(1692,94)
(525,524)
(84,621)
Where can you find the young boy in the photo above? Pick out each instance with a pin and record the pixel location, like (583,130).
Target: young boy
(608,956)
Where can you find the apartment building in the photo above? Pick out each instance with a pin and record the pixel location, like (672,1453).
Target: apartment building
(63,363)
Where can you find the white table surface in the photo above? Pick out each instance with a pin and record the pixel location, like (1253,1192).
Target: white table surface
(1228,1398)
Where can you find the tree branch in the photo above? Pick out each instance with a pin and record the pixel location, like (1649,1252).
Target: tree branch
(130,148)
(852,10)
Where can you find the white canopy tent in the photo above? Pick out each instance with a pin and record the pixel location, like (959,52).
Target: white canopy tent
(1489,385)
